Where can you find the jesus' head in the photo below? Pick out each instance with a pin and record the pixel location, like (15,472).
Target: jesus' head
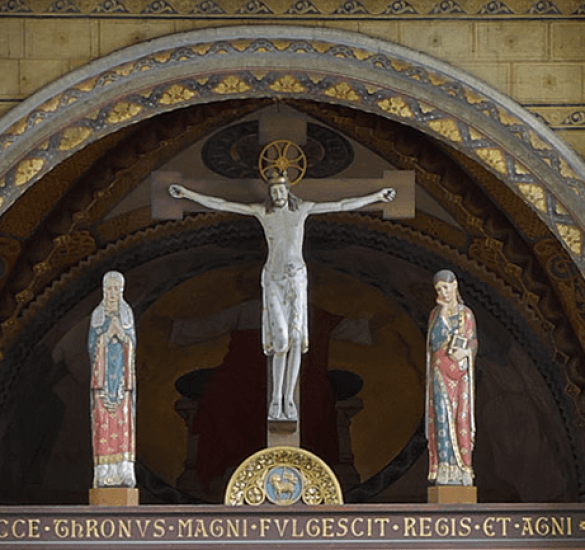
(279,192)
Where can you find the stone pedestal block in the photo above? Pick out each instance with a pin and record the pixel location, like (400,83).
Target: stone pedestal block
(452,494)
(114,496)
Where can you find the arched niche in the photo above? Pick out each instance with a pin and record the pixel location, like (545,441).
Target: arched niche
(324,67)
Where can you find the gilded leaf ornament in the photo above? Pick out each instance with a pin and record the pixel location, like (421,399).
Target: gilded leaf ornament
(123,111)
(74,136)
(400,65)
(475,135)
(538,143)
(566,170)
(447,128)
(177,94)
(232,85)
(201,49)
(287,83)
(506,118)
(342,91)
(396,106)
(571,236)
(520,169)
(27,169)
(534,194)
(494,157)
(437,79)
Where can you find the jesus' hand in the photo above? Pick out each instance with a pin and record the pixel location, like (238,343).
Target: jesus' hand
(387,195)
(177,191)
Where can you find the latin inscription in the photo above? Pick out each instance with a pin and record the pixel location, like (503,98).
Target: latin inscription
(282,528)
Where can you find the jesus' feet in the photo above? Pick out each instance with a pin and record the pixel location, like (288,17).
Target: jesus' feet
(275,411)
(290,409)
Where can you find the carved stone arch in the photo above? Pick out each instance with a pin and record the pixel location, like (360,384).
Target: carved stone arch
(292,62)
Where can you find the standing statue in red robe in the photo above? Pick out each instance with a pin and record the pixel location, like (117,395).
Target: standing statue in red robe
(112,344)
(450,419)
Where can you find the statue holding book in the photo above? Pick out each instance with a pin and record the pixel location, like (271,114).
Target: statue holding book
(450,394)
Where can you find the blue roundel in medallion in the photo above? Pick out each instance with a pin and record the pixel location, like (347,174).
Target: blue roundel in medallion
(283,485)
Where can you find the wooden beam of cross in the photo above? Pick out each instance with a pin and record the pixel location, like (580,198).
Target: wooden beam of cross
(164,207)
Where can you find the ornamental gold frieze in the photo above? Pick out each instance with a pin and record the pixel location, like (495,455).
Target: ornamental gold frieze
(526,302)
(529,225)
(294,9)
(490,252)
(66,250)
(446,232)
(36,296)
(563,276)
(113,229)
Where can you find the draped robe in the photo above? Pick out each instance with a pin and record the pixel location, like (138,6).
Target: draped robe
(450,419)
(113,400)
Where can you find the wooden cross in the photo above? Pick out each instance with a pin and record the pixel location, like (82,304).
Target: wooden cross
(276,124)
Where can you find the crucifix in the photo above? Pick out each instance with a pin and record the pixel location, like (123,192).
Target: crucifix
(282,215)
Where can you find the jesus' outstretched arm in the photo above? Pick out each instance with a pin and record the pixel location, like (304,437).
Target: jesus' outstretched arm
(215,203)
(344,205)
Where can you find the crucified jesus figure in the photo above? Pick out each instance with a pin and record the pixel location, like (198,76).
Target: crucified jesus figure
(284,277)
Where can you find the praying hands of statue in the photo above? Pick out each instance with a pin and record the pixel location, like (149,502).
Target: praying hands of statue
(115,329)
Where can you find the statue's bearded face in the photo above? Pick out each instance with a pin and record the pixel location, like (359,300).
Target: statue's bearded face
(446,292)
(279,194)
